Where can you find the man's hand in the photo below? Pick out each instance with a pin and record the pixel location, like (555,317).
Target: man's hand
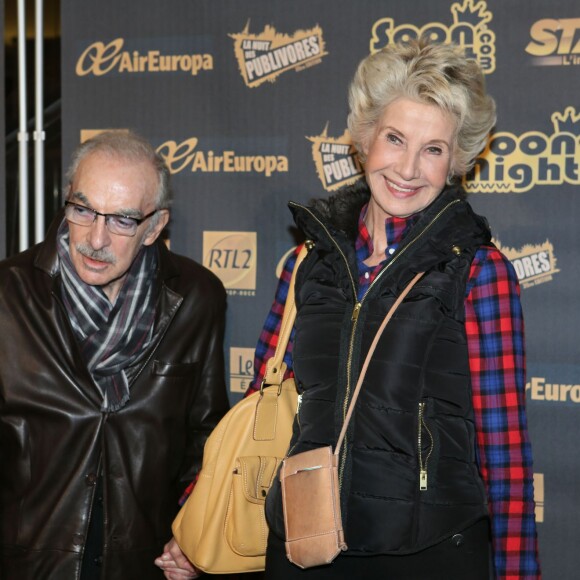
(175,564)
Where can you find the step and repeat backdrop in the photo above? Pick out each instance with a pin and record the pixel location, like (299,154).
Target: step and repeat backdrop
(247,101)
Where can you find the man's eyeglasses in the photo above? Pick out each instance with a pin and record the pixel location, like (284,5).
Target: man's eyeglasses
(121,225)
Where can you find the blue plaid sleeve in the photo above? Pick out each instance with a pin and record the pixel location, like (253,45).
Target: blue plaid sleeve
(269,336)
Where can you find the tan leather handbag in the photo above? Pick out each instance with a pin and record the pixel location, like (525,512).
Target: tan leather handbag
(222,527)
(310,486)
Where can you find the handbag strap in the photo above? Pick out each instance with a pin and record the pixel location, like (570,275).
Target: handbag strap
(276,367)
(368,359)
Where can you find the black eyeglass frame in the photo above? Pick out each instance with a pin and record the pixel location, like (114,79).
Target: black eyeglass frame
(107,216)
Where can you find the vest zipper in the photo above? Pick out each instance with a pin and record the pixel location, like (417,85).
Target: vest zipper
(423,466)
(359,304)
(298,405)
(353,285)
(354,317)
(356,311)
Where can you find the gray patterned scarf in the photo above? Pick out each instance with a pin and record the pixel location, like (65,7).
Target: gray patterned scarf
(112,337)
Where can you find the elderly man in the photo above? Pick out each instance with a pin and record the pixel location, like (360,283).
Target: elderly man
(111,375)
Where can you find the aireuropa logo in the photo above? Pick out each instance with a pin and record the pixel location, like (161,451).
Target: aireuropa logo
(540,390)
(534,264)
(539,496)
(336,160)
(516,163)
(263,57)
(555,42)
(100,58)
(186,156)
(469,29)
(241,368)
(231,256)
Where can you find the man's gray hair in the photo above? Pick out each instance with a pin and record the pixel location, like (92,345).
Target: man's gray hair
(127,145)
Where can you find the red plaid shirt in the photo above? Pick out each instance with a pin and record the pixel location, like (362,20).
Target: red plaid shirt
(495,337)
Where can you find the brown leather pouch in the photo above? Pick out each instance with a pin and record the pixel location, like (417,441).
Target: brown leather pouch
(311,501)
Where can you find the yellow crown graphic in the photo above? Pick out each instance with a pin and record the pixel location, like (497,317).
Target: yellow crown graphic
(471,12)
(567,122)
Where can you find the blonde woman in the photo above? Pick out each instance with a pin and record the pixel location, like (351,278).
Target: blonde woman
(436,472)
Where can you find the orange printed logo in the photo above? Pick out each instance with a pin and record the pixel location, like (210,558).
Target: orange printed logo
(336,160)
(534,264)
(265,56)
(516,163)
(99,59)
(231,256)
(555,42)
(468,29)
(186,156)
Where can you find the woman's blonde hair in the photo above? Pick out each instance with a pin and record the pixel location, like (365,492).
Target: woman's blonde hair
(435,74)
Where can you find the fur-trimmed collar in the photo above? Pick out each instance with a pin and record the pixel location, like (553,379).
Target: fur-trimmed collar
(342,210)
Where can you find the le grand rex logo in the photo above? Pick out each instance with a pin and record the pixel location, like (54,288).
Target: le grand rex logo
(263,57)
(469,29)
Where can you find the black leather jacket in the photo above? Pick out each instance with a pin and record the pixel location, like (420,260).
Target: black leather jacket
(54,438)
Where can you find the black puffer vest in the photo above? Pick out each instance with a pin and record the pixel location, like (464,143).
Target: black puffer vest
(408,472)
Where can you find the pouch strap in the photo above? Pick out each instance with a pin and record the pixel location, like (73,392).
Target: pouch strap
(276,367)
(368,359)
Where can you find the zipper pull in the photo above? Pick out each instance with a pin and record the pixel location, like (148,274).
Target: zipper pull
(355,312)
(423,480)
(298,403)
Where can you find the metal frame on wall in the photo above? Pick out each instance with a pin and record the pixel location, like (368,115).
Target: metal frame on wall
(2,148)
(247,102)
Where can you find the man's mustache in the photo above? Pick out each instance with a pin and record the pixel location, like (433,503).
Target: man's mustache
(102,255)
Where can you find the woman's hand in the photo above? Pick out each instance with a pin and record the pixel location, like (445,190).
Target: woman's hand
(175,564)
